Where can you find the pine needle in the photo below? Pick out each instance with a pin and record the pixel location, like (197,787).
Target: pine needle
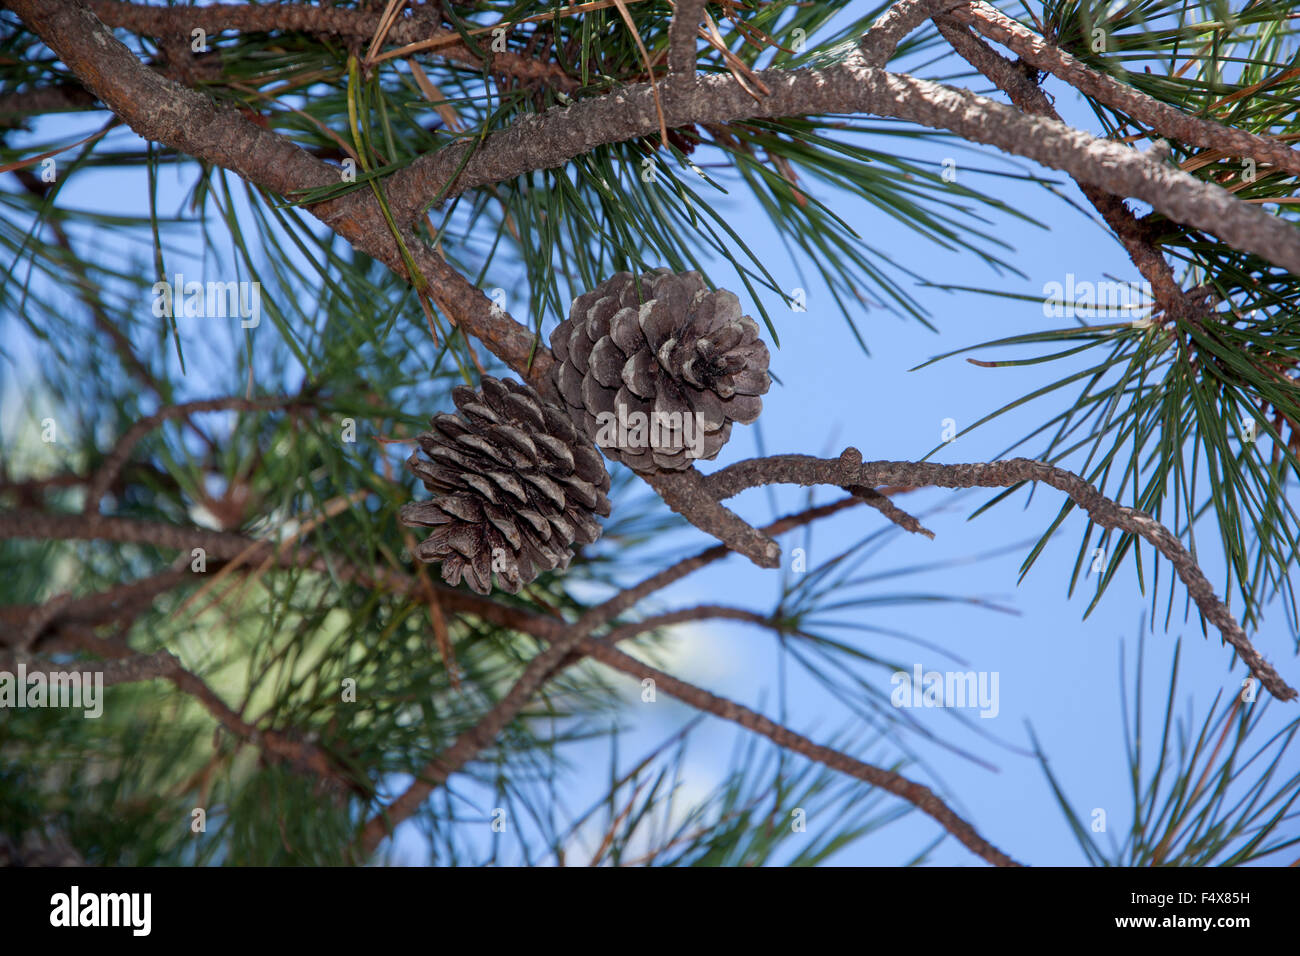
(645,57)
(381,31)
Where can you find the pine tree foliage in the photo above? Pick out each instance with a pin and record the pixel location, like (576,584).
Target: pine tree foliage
(219,514)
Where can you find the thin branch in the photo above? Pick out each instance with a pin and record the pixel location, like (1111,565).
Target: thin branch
(881,41)
(683,492)
(1132,233)
(850,469)
(24,624)
(112,465)
(40,525)
(880,501)
(30,493)
(465,747)
(39,619)
(124,670)
(687,493)
(163,664)
(127,665)
(701,612)
(38,100)
(919,795)
(357,25)
(681,38)
(1161,117)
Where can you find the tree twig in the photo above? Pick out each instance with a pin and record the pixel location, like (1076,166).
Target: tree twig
(681,38)
(1164,119)
(112,465)
(352,24)
(881,41)
(850,469)
(1132,233)
(919,795)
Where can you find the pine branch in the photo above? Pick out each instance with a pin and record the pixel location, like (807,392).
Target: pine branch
(540,669)
(39,525)
(919,795)
(555,137)
(357,25)
(682,36)
(1132,234)
(893,26)
(299,754)
(24,624)
(1161,117)
(681,491)
(86,292)
(123,665)
(603,650)
(850,469)
(568,644)
(123,670)
(112,465)
(159,109)
(190,123)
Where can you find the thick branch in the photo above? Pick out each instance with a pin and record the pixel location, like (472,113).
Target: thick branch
(850,469)
(552,138)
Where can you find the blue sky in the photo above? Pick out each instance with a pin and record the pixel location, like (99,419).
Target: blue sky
(1056,670)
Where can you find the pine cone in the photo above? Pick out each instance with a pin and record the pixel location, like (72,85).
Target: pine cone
(515,484)
(655,369)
